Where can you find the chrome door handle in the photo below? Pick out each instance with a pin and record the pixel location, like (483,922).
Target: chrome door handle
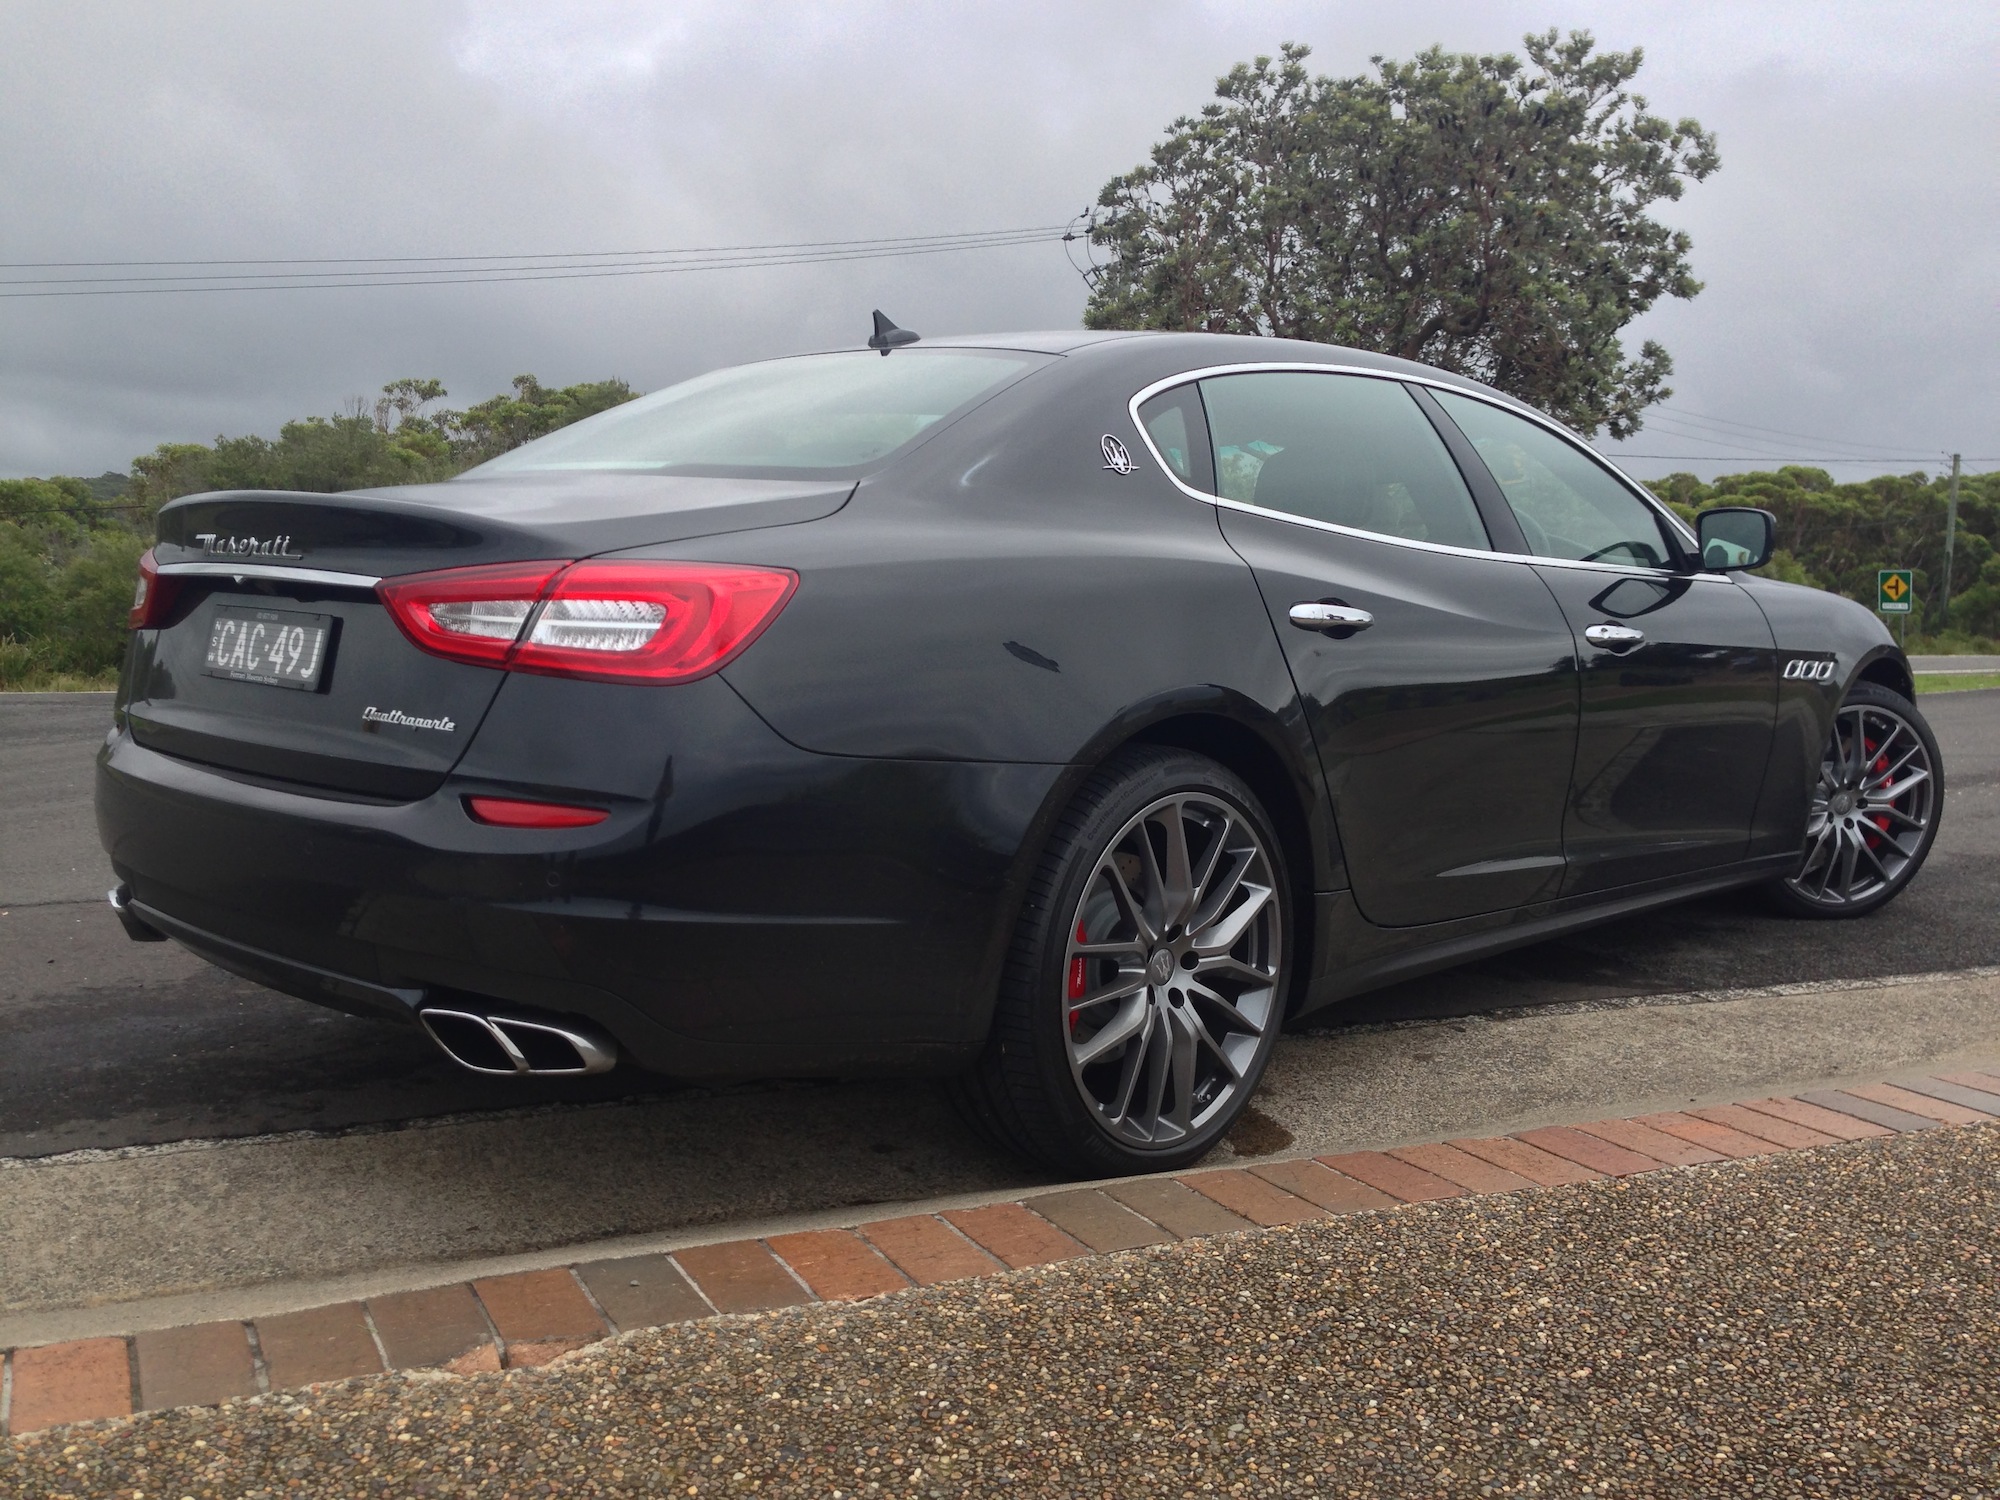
(1330,617)
(1617,638)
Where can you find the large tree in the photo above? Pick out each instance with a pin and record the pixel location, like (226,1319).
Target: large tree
(1475,213)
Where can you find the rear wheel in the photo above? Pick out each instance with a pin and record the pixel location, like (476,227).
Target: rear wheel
(1145,987)
(1874,813)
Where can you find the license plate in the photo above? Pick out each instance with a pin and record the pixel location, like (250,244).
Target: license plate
(276,647)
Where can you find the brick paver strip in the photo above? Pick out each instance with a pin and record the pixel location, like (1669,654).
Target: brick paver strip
(199,1365)
(1329,1189)
(1918,1104)
(642,1291)
(1833,1122)
(1179,1210)
(1983,1100)
(422,1330)
(1761,1127)
(1988,1083)
(1253,1198)
(741,1276)
(322,1343)
(837,1264)
(1103,1225)
(1867,1109)
(928,1250)
(534,1306)
(1016,1235)
(1590,1151)
(1454,1165)
(1398,1179)
(1737,1145)
(1531,1162)
(1654,1143)
(84,1380)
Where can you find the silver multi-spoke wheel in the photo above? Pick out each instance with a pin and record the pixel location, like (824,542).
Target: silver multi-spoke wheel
(1872,811)
(1172,970)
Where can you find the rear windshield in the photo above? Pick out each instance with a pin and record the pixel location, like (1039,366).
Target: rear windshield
(820,415)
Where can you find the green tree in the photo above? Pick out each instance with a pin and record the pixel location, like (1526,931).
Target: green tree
(399,442)
(1837,536)
(534,410)
(95,591)
(1471,212)
(27,589)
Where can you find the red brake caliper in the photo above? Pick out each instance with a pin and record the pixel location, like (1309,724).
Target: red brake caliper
(1079,977)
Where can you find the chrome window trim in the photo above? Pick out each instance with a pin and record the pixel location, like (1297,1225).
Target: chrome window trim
(268,570)
(1186,377)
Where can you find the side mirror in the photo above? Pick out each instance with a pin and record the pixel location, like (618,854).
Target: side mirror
(1734,537)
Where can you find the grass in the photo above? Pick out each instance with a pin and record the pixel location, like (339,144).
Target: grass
(1956,682)
(62,682)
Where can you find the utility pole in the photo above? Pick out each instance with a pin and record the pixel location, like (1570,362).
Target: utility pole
(1950,535)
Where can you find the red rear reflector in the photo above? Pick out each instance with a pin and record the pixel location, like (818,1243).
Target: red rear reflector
(507,812)
(153,599)
(605,621)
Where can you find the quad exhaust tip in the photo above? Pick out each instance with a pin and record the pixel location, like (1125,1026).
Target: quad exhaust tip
(513,1046)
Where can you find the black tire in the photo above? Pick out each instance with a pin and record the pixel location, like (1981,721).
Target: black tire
(1853,826)
(1205,1016)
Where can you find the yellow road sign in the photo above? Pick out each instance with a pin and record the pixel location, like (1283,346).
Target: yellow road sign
(1895,590)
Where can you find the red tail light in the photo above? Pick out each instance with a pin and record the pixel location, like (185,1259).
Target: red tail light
(656,622)
(153,600)
(507,812)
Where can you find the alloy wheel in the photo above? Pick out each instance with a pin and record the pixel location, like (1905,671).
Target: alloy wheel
(1871,811)
(1171,971)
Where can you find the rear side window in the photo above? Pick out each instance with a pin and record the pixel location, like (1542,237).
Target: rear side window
(823,414)
(1347,449)
(1567,505)
(1175,423)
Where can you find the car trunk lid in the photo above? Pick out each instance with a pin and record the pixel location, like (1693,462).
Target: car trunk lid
(379,719)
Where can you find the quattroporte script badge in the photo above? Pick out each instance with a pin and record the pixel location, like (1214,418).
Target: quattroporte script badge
(374,715)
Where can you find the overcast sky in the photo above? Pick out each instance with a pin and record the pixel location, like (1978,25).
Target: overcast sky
(1850,243)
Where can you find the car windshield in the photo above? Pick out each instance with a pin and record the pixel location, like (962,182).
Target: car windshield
(819,414)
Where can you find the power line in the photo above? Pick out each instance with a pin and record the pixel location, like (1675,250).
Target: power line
(1738,442)
(1752,427)
(1778,458)
(363,260)
(520,270)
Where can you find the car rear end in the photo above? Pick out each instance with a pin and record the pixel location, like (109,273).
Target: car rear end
(463,753)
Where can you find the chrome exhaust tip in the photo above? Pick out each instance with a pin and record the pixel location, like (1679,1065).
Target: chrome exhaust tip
(513,1046)
(136,928)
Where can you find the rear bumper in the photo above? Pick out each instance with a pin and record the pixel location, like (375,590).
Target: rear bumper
(748,908)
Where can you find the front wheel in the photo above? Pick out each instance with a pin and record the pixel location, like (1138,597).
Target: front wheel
(1874,813)
(1145,988)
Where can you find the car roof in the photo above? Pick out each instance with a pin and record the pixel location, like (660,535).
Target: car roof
(1194,350)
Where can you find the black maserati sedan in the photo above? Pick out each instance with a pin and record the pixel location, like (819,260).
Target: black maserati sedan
(1059,714)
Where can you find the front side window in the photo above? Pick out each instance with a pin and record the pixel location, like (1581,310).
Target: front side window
(816,414)
(1568,505)
(1347,449)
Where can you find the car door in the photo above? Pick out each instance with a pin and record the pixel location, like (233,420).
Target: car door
(1679,669)
(1447,722)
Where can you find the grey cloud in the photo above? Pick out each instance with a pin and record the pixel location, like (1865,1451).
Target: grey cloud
(1848,243)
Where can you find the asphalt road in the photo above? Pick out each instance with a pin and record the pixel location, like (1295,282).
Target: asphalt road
(106,1043)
